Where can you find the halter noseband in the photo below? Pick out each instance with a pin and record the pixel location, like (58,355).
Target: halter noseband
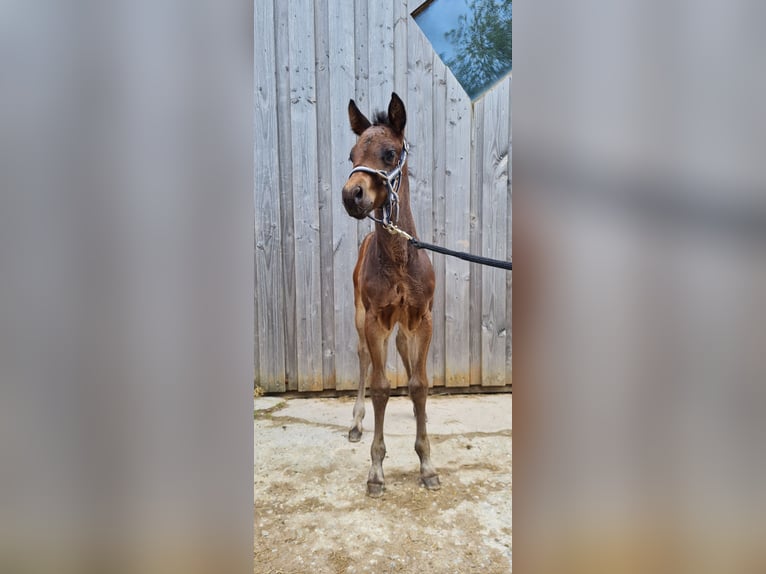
(393,180)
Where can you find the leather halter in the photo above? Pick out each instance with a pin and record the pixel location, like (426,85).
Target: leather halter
(393,180)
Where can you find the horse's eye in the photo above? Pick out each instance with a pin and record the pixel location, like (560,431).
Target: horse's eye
(390,156)
(350,158)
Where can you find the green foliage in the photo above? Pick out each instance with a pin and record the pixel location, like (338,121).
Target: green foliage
(484,49)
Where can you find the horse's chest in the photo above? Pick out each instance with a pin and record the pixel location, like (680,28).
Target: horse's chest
(394,304)
(399,296)
(403,307)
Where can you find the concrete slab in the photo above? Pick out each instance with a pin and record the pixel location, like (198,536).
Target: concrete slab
(311,511)
(266,403)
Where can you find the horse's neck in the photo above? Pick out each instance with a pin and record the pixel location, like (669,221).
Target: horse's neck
(394,246)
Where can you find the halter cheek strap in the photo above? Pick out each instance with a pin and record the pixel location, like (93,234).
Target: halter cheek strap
(393,181)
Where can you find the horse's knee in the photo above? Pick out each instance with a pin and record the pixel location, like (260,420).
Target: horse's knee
(417,387)
(379,382)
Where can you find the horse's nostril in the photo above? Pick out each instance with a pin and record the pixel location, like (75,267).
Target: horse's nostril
(355,200)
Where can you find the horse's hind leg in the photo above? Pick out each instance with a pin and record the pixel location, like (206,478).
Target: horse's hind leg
(404,353)
(355,432)
(419,341)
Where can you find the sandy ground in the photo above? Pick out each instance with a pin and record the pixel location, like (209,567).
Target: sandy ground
(311,511)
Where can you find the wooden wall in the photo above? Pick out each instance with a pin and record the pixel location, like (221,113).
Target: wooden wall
(311,57)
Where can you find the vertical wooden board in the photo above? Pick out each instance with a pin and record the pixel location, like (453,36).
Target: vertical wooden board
(324,172)
(361,79)
(256,342)
(256,350)
(380,53)
(305,205)
(458,180)
(419,100)
(395,80)
(361,53)
(261,52)
(509,243)
(260,66)
(439,184)
(342,84)
(284,129)
(269,325)
(401,46)
(495,328)
(476,231)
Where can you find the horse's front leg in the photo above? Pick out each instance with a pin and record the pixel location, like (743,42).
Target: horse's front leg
(355,432)
(419,342)
(377,344)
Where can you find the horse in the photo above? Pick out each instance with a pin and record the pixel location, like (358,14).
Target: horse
(393,282)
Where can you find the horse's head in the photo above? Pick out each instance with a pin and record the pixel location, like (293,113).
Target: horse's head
(379,148)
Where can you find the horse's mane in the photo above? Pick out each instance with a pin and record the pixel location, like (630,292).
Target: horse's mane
(380,119)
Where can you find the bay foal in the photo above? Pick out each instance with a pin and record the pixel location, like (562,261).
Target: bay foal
(393,281)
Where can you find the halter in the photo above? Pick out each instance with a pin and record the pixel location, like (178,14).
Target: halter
(393,180)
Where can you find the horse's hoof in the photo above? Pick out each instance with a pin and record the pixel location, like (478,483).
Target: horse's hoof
(354,435)
(375,490)
(431,482)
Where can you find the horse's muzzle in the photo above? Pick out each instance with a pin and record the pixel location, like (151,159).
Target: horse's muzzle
(356,201)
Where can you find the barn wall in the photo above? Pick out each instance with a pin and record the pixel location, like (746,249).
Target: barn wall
(311,57)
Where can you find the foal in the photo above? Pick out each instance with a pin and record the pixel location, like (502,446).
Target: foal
(393,281)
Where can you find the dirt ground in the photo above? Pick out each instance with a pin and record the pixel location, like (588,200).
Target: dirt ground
(311,511)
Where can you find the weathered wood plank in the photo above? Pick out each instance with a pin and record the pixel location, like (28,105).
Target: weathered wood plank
(361,53)
(420,134)
(439,198)
(324,171)
(256,351)
(380,54)
(361,79)
(494,323)
(284,129)
(419,100)
(458,166)
(269,325)
(509,244)
(476,230)
(305,205)
(344,230)
(401,46)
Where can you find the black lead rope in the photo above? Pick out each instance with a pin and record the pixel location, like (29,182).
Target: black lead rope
(393,181)
(465,256)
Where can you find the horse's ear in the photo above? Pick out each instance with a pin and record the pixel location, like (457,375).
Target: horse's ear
(397,117)
(358,120)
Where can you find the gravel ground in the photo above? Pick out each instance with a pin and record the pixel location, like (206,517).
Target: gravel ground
(311,511)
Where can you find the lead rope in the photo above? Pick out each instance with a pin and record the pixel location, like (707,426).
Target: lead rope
(393,181)
(416,243)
